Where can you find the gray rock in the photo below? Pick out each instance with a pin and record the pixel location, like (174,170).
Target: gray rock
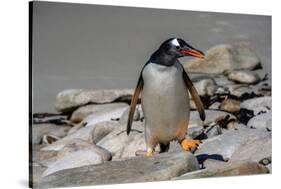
(223,81)
(38,155)
(212,163)
(239,89)
(263,104)
(230,141)
(244,76)
(84,133)
(225,57)
(69,100)
(254,151)
(201,133)
(60,144)
(138,115)
(234,125)
(95,113)
(229,169)
(129,150)
(206,86)
(213,130)
(194,132)
(122,145)
(269,125)
(140,169)
(72,157)
(262,121)
(102,129)
(263,88)
(230,105)
(221,90)
(39,130)
(75,128)
(238,126)
(211,116)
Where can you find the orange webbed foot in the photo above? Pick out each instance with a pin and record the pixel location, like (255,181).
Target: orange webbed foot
(188,144)
(149,153)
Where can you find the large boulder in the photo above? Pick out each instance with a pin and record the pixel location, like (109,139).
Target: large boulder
(254,151)
(139,169)
(102,129)
(91,133)
(226,144)
(122,145)
(243,76)
(39,130)
(228,169)
(225,57)
(70,99)
(38,155)
(261,104)
(72,156)
(98,112)
(61,144)
(262,121)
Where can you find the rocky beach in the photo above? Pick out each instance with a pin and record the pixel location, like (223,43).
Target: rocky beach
(85,142)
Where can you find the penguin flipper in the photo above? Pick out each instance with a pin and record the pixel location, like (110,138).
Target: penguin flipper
(134,102)
(194,95)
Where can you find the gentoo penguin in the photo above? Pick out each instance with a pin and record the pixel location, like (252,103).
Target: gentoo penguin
(163,85)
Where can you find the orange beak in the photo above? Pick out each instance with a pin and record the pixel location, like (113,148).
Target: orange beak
(193,52)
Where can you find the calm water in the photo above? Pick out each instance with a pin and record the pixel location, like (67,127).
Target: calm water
(103,47)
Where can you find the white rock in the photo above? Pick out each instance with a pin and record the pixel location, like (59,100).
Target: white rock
(70,99)
(118,142)
(262,121)
(263,104)
(98,111)
(90,155)
(244,76)
(39,130)
(227,143)
(254,150)
(60,144)
(225,57)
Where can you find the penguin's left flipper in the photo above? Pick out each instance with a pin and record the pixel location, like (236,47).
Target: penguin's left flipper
(134,102)
(194,95)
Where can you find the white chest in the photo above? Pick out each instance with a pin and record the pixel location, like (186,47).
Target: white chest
(161,77)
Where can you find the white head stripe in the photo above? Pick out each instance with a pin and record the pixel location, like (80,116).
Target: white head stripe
(175,42)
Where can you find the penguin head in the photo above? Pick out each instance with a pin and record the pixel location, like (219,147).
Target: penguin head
(176,47)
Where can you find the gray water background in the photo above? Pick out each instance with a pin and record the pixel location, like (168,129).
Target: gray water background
(105,47)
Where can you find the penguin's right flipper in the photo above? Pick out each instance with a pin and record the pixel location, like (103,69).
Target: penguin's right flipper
(134,102)
(194,95)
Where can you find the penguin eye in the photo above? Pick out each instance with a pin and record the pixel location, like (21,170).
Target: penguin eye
(177,47)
